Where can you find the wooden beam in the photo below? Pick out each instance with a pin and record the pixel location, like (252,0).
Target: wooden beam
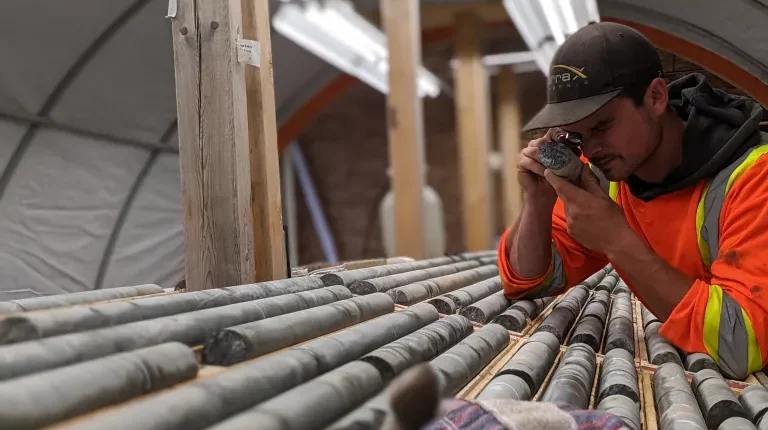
(224,140)
(509,123)
(405,124)
(264,203)
(473,119)
(435,15)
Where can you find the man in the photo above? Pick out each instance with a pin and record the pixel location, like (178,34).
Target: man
(684,220)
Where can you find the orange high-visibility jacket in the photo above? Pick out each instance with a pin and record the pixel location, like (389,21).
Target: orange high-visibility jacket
(715,231)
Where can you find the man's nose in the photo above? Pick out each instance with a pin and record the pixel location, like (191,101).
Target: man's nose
(591,149)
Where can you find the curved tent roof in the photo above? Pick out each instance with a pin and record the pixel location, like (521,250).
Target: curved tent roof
(90,177)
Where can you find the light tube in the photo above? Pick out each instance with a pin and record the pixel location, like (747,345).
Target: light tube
(569,16)
(551,13)
(544,24)
(338,35)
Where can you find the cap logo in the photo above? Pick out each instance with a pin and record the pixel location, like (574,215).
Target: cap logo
(570,74)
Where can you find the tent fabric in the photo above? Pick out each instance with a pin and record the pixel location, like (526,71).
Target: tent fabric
(89,177)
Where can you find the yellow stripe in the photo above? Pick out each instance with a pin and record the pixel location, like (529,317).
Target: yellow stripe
(613,190)
(570,69)
(745,165)
(753,348)
(703,247)
(712,322)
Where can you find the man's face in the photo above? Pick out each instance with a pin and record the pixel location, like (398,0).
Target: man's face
(618,138)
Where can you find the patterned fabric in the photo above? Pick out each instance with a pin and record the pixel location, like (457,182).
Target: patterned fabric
(596,420)
(466,415)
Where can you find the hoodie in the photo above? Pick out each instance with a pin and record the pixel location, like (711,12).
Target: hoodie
(719,128)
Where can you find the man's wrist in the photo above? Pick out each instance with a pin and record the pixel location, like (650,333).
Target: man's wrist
(539,204)
(626,243)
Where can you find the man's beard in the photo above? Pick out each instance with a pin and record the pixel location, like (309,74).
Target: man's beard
(654,144)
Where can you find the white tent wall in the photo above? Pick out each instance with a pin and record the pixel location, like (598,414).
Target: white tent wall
(90,189)
(150,248)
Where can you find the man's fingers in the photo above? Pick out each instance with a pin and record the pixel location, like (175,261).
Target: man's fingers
(563,188)
(535,143)
(528,163)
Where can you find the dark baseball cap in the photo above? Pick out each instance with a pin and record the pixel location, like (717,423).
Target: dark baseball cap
(591,68)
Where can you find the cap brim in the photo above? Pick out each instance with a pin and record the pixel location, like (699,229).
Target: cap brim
(564,113)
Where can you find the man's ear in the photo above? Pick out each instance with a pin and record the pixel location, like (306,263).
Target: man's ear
(656,97)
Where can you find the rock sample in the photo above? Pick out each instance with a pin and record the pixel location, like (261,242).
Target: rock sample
(531,362)
(385,283)
(715,398)
(37,325)
(589,329)
(737,423)
(621,287)
(558,158)
(648,317)
(754,399)
(453,301)
(423,290)
(608,283)
(457,366)
(571,384)
(659,350)
(45,398)
(560,320)
(595,278)
(314,404)
(517,315)
(509,387)
(620,332)
(421,345)
(79,298)
(349,277)
(618,376)
(476,351)
(487,309)
(241,342)
(676,406)
(204,402)
(698,361)
(190,328)
(624,408)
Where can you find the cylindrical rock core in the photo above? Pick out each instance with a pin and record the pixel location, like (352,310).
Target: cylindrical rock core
(715,398)
(754,399)
(556,157)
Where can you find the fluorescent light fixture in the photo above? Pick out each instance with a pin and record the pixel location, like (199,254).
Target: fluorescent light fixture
(508,58)
(520,62)
(332,30)
(545,24)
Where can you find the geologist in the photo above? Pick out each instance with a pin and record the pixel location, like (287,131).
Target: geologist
(674,196)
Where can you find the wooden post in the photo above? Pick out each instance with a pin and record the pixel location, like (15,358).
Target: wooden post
(474,123)
(405,123)
(508,110)
(228,145)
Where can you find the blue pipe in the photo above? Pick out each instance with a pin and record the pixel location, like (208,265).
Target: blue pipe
(314,205)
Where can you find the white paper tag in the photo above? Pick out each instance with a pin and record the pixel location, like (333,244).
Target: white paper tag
(249,52)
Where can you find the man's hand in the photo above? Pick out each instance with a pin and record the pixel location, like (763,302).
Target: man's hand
(530,174)
(593,218)
(599,224)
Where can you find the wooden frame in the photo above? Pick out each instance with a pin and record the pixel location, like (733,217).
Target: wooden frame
(228,145)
